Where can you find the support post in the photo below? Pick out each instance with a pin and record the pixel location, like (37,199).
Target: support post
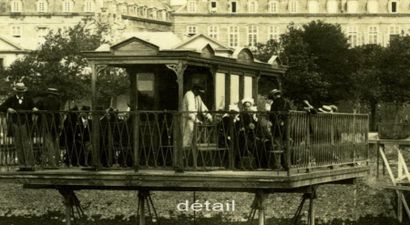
(312,197)
(255,87)
(134,116)
(141,207)
(179,69)
(95,154)
(144,199)
(311,220)
(258,204)
(68,210)
(71,202)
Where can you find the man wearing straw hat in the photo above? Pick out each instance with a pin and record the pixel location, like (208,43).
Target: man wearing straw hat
(18,107)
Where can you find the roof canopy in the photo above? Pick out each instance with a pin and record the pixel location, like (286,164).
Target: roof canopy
(166,47)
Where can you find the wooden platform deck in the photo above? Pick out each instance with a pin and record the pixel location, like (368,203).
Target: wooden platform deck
(275,181)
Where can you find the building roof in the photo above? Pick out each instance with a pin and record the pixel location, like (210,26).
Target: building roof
(164,40)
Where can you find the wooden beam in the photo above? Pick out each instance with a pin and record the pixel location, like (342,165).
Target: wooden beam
(179,70)
(132,74)
(227,90)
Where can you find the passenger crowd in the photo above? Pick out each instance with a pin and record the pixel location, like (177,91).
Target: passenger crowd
(241,128)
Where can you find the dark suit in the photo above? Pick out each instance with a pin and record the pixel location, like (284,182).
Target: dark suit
(19,122)
(49,124)
(76,138)
(278,117)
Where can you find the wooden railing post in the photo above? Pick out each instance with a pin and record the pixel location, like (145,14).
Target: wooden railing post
(95,141)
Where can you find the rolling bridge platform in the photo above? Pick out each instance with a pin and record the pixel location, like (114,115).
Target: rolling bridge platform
(142,149)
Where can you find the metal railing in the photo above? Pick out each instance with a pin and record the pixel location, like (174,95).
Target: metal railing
(170,140)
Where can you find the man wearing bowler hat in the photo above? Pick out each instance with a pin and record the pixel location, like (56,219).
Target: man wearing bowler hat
(19,107)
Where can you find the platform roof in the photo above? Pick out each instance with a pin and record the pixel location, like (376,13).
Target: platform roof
(166,47)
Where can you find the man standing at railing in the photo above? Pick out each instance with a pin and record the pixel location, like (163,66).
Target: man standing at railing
(193,105)
(279,109)
(50,127)
(20,121)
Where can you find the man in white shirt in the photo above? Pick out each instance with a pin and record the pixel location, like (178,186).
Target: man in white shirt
(192,106)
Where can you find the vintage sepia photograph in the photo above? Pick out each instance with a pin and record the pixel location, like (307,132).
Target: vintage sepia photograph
(204,112)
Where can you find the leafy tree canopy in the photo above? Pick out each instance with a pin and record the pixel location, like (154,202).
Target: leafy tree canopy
(59,62)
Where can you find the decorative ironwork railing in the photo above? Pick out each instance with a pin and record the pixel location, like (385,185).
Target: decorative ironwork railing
(171,140)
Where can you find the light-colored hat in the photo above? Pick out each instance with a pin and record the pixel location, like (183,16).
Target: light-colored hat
(20,87)
(53,91)
(334,108)
(325,109)
(275,91)
(250,100)
(233,108)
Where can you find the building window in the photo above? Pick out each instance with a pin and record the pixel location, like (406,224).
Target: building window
(191,6)
(332,6)
(42,6)
(191,30)
(313,6)
(233,7)
(273,33)
(16,6)
(293,6)
(89,6)
(233,36)
(164,15)
(393,6)
(352,6)
(373,6)
(373,35)
(212,7)
(394,32)
(42,32)
(16,31)
(252,35)
(252,6)
(353,36)
(213,32)
(273,6)
(68,5)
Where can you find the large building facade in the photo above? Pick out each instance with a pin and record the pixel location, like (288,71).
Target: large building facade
(24,23)
(238,23)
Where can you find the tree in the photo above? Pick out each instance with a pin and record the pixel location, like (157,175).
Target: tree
(367,85)
(59,62)
(264,52)
(395,70)
(329,48)
(316,57)
(302,79)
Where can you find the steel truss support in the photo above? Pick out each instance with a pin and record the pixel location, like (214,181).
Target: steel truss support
(145,200)
(311,195)
(72,205)
(258,205)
